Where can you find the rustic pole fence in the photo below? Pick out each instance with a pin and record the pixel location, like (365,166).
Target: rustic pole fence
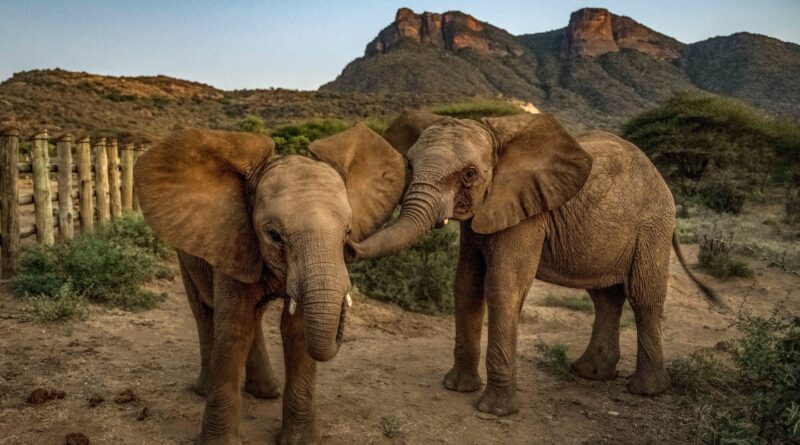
(115,199)
(127,177)
(43,206)
(104,183)
(84,156)
(66,215)
(9,195)
(101,178)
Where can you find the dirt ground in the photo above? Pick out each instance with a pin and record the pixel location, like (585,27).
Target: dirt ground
(383,387)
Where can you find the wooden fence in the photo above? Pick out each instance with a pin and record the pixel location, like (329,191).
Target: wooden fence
(109,180)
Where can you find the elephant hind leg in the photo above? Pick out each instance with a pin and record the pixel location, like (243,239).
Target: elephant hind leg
(646,291)
(599,361)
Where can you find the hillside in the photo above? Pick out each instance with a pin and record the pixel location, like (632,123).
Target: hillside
(139,108)
(598,70)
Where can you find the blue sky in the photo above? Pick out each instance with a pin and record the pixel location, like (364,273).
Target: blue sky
(302,44)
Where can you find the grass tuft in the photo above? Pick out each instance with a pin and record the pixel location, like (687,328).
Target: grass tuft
(554,360)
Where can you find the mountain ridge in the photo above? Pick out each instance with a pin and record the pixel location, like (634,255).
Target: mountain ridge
(599,69)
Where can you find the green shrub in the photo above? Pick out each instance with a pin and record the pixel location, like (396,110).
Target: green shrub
(723,194)
(66,304)
(252,124)
(419,278)
(478,109)
(554,360)
(757,399)
(717,258)
(769,359)
(107,266)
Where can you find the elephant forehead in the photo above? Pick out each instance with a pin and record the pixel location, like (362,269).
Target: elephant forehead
(296,183)
(453,141)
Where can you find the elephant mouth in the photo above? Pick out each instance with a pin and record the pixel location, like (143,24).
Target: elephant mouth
(340,328)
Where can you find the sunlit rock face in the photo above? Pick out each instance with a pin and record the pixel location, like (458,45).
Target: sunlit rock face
(451,30)
(594,31)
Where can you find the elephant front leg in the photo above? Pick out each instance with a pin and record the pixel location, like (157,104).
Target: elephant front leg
(260,381)
(469,302)
(299,415)
(511,266)
(234,325)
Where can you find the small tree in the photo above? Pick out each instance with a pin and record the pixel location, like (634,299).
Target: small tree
(252,124)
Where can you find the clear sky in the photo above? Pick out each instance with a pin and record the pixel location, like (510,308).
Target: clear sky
(302,44)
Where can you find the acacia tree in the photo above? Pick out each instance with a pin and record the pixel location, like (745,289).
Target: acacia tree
(695,135)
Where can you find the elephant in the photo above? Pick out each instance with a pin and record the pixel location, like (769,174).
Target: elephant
(590,212)
(250,227)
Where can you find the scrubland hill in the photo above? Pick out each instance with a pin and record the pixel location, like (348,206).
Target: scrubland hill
(599,70)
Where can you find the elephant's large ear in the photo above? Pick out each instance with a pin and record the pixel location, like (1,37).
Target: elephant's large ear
(539,167)
(373,172)
(191,188)
(404,131)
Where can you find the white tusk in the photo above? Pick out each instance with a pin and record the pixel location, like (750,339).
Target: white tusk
(348,300)
(446,220)
(292,306)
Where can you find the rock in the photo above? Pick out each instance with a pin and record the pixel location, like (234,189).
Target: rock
(40,395)
(77,439)
(452,31)
(95,400)
(143,414)
(126,396)
(595,31)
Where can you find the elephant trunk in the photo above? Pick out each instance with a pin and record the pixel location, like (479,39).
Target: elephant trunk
(421,211)
(323,288)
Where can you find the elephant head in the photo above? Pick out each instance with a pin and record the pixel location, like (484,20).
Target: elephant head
(225,197)
(495,172)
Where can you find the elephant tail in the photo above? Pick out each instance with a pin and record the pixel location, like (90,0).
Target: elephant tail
(708,293)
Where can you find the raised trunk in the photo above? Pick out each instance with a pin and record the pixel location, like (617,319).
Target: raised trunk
(420,212)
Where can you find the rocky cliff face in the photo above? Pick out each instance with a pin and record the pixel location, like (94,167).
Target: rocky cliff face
(595,31)
(451,31)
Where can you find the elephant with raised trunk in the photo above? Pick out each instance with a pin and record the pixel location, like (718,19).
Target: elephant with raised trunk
(249,227)
(590,212)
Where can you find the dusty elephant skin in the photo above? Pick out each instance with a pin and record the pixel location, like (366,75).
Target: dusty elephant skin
(250,227)
(590,212)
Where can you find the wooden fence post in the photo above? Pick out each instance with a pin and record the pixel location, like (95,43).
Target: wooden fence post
(113,179)
(83,153)
(137,152)
(66,214)
(9,195)
(43,206)
(127,177)
(101,181)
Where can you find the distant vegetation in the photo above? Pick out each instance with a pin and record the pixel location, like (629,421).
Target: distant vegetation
(750,394)
(108,266)
(478,109)
(716,151)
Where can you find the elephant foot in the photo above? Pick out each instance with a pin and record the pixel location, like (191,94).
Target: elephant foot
(303,434)
(649,383)
(262,390)
(500,402)
(462,381)
(594,368)
(201,386)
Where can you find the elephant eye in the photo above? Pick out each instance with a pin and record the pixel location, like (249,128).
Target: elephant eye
(470,175)
(275,236)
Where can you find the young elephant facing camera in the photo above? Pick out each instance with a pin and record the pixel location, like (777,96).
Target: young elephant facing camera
(590,212)
(250,226)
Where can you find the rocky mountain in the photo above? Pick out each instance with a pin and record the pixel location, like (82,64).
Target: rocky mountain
(597,71)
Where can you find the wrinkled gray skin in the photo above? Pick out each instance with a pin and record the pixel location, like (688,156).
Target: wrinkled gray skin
(611,235)
(261,227)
